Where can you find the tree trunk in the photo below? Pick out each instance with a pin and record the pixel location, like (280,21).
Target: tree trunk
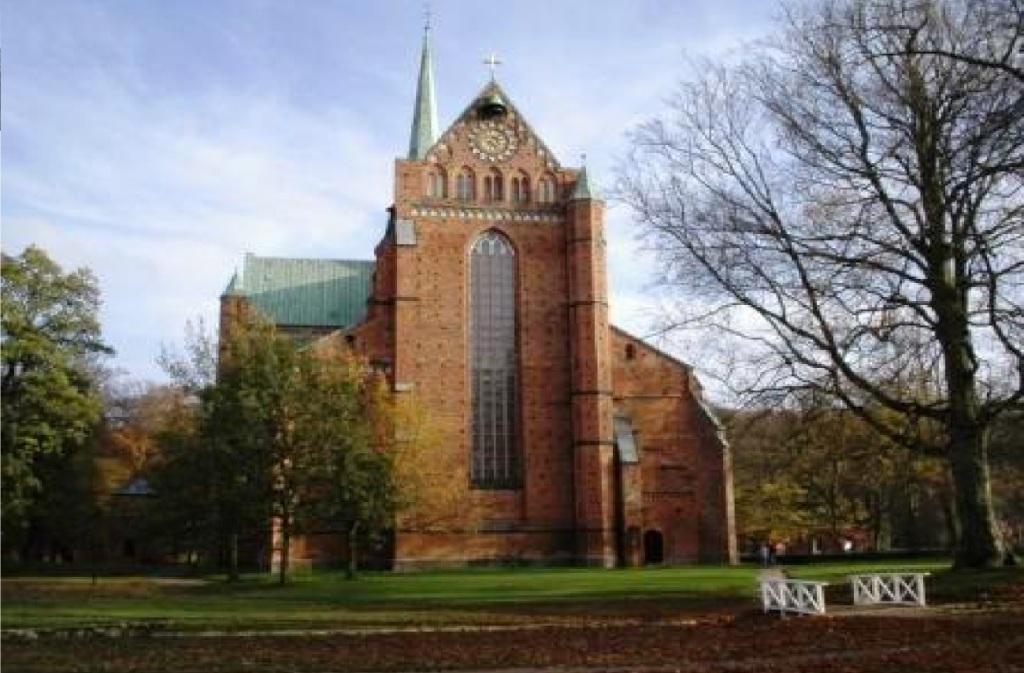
(979,544)
(949,519)
(876,523)
(233,557)
(286,544)
(95,558)
(353,550)
(949,280)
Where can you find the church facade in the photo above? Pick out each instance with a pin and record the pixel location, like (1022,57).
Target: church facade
(488,300)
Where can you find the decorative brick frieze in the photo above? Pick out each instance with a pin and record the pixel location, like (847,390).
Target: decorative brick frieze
(486,214)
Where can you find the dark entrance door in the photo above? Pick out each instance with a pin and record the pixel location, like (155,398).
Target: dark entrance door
(654,547)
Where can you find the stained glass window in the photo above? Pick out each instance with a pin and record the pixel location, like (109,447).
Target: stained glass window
(494,363)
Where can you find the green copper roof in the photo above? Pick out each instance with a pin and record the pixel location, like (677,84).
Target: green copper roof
(424,118)
(234,288)
(306,292)
(584,188)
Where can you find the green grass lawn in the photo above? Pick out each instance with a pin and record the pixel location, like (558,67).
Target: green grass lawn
(327,600)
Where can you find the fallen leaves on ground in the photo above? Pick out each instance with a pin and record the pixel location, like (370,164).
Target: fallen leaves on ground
(949,644)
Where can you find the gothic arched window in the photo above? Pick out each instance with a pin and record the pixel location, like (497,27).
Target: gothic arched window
(437,183)
(494,363)
(493,186)
(546,189)
(522,193)
(464,185)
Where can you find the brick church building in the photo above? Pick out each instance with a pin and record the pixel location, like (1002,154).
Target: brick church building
(488,300)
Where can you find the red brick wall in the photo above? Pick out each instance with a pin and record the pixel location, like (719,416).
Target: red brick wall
(432,349)
(682,462)
(576,502)
(591,389)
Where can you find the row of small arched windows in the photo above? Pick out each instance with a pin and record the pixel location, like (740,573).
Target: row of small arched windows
(493,186)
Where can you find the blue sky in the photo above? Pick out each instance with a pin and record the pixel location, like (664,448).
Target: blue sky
(158,141)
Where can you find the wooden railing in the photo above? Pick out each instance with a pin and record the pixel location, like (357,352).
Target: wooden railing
(797,596)
(889,588)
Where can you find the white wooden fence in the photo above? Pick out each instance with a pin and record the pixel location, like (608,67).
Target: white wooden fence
(889,588)
(798,596)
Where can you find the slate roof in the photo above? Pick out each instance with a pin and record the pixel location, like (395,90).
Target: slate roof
(305,292)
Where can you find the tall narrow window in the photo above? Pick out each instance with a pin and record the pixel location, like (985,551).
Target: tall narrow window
(494,362)
(546,189)
(522,194)
(437,183)
(464,185)
(493,186)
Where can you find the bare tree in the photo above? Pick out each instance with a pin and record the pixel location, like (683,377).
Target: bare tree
(848,203)
(193,368)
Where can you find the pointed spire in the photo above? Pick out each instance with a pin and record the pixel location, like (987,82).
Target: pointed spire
(424,119)
(584,190)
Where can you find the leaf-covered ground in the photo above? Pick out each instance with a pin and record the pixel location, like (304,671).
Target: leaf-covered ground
(752,643)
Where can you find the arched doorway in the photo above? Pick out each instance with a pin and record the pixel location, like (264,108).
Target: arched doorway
(654,547)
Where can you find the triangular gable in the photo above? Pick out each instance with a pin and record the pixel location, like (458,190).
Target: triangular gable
(528,137)
(651,348)
(694,383)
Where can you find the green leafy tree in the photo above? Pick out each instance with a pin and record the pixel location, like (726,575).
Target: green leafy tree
(348,435)
(50,405)
(284,438)
(822,472)
(213,472)
(289,436)
(239,427)
(181,474)
(187,512)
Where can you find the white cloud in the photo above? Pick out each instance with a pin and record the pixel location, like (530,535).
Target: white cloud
(162,200)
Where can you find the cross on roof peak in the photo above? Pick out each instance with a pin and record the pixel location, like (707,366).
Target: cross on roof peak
(492,62)
(427,15)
